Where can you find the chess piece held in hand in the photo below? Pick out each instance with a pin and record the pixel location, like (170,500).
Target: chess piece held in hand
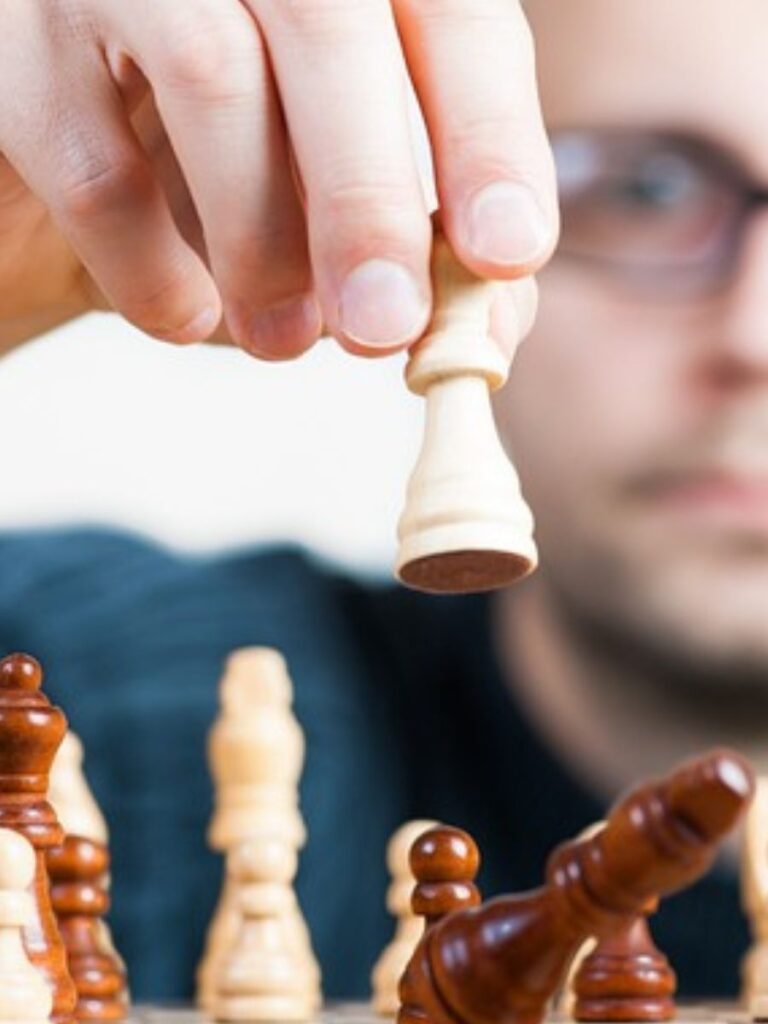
(465,526)
(25,998)
(503,961)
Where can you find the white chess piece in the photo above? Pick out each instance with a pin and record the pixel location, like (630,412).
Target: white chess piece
(256,754)
(264,977)
(409,929)
(71,796)
(754,895)
(465,526)
(24,994)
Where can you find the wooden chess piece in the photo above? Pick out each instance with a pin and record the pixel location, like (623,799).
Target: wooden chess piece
(566,1003)
(256,755)
(30,732)
(503,961)
(80,815)
(409,929)
(78,869)
(625,978)
(621,977)
(71,796)
(754,897)
(465,526)
(263,977)
(25,998)
(444,861)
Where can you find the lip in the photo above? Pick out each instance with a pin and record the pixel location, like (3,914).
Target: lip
(717,497)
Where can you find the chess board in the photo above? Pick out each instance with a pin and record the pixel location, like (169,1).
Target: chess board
(334,1013)
(361,1013)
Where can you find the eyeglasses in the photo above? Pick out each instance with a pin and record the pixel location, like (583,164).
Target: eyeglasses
(663,212)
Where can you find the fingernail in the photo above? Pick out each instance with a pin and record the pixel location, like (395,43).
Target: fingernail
(198,328)
(381,305)
(506,225)
(290,324)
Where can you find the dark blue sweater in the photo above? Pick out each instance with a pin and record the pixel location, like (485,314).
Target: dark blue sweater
(405,715)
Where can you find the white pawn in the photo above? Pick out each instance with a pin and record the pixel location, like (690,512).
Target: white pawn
(71,796)
(465,526)
(24,993)
(256,754)
(393,961)
(264,976)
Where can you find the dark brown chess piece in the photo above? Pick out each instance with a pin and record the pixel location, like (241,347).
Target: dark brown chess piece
(78,871)
(444,861)
(30,733)
(625,978)
(502,962)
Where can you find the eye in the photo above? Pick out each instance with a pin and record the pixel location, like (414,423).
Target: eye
(662,182)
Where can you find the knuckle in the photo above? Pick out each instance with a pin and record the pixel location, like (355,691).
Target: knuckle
(102,186)
(153,305)
(386,196)
(209,58)
(318,17)
(389,210)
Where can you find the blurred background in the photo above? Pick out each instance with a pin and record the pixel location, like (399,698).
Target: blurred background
(206,448)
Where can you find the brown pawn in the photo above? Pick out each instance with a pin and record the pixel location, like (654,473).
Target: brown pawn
(444,861)
(78,871)
(502,963)
(30,733)
(625,978)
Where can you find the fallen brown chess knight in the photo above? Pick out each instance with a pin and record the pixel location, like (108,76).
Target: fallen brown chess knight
(501,963)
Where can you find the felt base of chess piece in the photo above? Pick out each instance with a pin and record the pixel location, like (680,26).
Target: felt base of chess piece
(468,571)
(625,978)
(78,870)
(30,733)
(502,963)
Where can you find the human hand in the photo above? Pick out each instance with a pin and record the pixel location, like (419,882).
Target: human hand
(166,142)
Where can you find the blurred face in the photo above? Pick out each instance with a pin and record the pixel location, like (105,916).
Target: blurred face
(637,413)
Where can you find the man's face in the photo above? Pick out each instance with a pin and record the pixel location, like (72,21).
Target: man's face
(637,413)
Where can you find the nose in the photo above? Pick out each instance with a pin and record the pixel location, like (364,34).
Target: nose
(740,332)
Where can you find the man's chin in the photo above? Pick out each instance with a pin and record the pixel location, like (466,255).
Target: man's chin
(701,609)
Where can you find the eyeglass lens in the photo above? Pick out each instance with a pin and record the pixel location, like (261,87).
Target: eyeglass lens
(662,210)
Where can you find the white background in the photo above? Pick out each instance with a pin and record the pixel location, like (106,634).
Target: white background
(204,447)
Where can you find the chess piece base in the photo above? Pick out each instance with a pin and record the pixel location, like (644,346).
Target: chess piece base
(444,560)
(621,1010)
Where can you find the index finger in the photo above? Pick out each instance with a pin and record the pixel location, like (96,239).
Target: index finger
(473,66)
